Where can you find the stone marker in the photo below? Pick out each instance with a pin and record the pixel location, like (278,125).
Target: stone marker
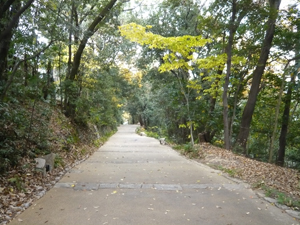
(162,141)
(45,163)
(40,165)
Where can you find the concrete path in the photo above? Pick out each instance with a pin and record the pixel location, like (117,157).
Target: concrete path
(135,180)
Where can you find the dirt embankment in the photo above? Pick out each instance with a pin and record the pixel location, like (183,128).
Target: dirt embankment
(277,181)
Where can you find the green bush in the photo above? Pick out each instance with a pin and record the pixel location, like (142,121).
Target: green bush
(152,134)
(188,148)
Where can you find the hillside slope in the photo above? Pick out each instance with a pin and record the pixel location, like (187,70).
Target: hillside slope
(278,182)
(22,184)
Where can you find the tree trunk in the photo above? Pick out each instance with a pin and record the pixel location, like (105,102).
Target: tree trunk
(71,106)
(233,25)
(26,75)
(257,75)
(285,120)
(47,85)
(228,72)
(10,11)
(236,94)
(271,149)
(287,108)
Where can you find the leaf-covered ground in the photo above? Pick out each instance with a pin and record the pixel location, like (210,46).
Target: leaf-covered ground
(21,186)
(258,174)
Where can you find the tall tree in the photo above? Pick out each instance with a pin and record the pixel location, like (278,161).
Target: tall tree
(256,77)
(236,18)
(288,98)
(88,33)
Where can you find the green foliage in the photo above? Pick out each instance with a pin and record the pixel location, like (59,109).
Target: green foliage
(139,130)
(152,134)
(177,147)
(281,197)
(24,131)
(230,172)
(104,137)
(187,150)
(58,161)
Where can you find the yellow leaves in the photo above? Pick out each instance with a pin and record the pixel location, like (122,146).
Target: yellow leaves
(114,99)
(136,33)
(238,60)
(174,65)
(126,74)
(131,77)
(212,62)
(180,49)
(195,84)
(188,125)
(182,126)
(218,61)
(180,53)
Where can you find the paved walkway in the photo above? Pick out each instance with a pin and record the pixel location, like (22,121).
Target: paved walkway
(135,180)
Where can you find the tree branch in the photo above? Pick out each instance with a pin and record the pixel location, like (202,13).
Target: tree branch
(14,20)
(5,6)
(89,33)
